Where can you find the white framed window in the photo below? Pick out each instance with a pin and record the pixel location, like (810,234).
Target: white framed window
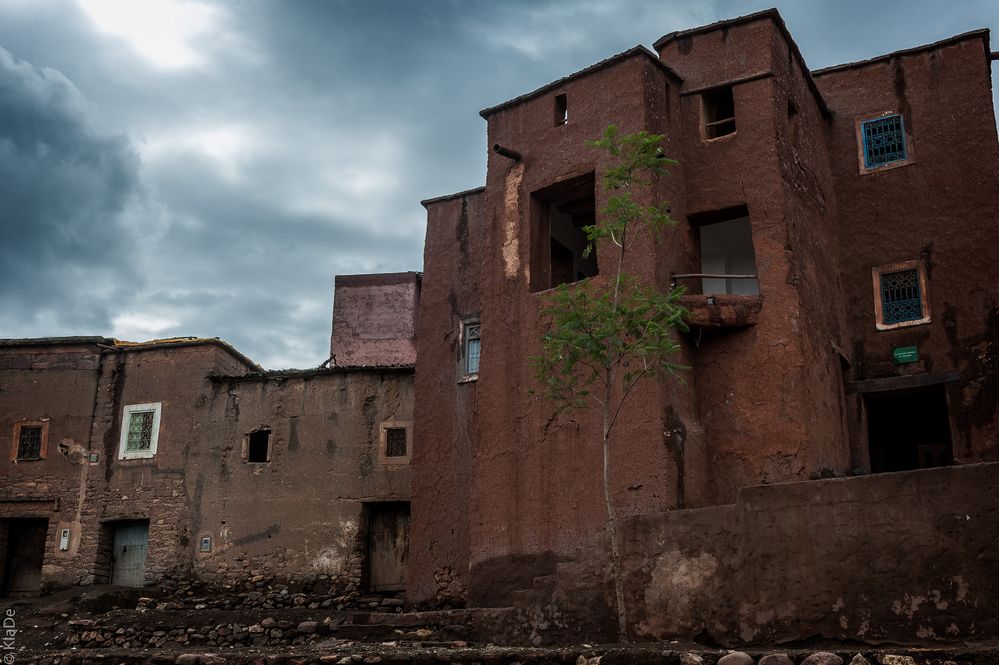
(471,347)
(140,429)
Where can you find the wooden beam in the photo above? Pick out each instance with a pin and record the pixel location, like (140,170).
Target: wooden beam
(721,84)
(902,382)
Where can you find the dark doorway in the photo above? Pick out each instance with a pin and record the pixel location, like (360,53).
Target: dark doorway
(908,429)
(24,556)
(560,213)
(388,545)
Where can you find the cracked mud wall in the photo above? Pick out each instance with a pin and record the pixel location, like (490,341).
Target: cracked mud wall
(887,558)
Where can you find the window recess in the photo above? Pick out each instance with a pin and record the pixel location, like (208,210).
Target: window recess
(140,425)
(717,113)
(900,295)
(727,256)
(558,242)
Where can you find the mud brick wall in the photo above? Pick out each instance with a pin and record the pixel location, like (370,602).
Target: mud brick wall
(898,557)
(58,386)
(300,515)
(374,319)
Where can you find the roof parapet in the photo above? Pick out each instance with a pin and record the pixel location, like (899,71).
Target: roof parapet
(603,64)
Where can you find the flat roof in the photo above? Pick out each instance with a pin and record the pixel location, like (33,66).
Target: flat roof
(377,279)
(127,346)
(981,33)
(285,374)
(603,64)
(771,14)
(450,197)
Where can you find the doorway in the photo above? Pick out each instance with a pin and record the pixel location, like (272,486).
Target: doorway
(128,553)
(909,429)
(24,556)
(388,545)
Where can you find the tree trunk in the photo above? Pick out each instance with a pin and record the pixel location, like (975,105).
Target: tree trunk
(622,623)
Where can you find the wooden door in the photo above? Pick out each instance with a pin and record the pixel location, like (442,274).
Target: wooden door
(388,546)
(128,556)
(25,554)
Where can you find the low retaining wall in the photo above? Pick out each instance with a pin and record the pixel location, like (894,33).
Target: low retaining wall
(899,557)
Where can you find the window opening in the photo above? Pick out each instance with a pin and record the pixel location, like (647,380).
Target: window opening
(473,347)
(395,442)
(728,259)
(258,447)
(718,112)
(559,245)
(883,141)
(139,431)
(29,443)
(793,124)
(561,110)
(900,296)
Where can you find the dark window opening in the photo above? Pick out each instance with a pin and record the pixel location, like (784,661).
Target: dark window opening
(900,297)
(561,110)
(395,442)
(718,112)
(908,429)
(884,141)
(29,443)
(258,447)
(559,244)
(793,124)
(728,259)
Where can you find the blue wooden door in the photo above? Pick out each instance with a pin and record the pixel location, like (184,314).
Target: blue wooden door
(128,558)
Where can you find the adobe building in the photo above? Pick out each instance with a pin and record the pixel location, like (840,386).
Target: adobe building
(828,467)
(181,459)
(836,234)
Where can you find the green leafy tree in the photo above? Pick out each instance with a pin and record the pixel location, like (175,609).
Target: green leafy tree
(610,333)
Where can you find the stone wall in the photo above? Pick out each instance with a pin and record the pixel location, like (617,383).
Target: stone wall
(898,557)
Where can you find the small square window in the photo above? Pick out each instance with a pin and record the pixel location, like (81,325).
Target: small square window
(30,440)
(883,141)
(258,447)
(206,544)
(718,112)
(395,442)
(472,347)
(140,427)
(29,444)
(900,295)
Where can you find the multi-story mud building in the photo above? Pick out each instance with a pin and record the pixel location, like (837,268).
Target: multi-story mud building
(836,235)
(854,210)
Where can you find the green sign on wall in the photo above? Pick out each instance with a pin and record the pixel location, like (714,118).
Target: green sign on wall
(904,355)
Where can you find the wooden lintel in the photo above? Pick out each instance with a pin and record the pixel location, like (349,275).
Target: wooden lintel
(902,382)
(721,84)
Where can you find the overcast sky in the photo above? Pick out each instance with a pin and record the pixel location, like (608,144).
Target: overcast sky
(178,168)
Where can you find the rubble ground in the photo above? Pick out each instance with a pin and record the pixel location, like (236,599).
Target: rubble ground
(87,625)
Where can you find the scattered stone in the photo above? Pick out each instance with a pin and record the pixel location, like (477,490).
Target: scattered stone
(308,627)
(583,660)
(892,659)
(776,659)
(860,660)
(187,659)
(688,658)
(737,658)
(269,622)
(822,658)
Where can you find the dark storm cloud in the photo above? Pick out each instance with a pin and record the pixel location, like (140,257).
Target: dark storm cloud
(295,145)
(63,187)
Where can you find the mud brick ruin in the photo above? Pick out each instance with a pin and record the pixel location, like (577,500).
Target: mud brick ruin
(829,466)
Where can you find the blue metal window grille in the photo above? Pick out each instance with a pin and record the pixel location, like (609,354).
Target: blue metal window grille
(900,297)
(884,141)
